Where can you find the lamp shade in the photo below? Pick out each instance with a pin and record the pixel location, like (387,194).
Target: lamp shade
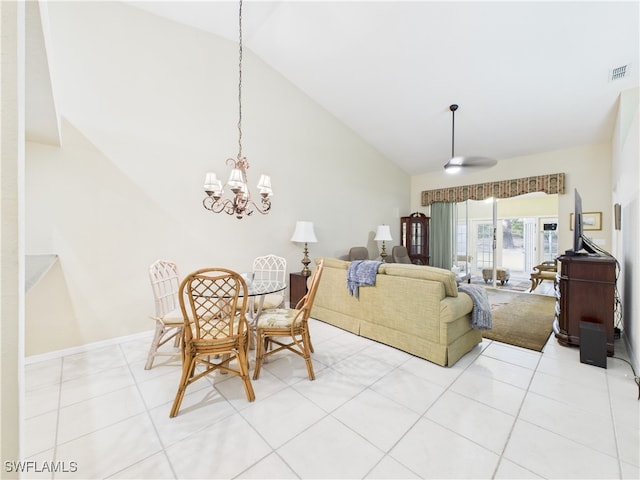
(383,233)
(304,233)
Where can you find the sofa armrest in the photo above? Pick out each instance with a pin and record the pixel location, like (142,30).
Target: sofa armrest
(452,308)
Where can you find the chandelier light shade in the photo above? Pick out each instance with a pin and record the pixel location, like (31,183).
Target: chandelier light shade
(240,202)
(304,233)
(456,164)
(383,234)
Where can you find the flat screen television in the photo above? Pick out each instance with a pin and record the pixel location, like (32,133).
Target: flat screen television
(579,242)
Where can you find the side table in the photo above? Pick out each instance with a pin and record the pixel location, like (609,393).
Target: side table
(297,287)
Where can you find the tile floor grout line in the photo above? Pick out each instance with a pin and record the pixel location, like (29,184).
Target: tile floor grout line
(617,458)
(328,414)
(273,449)
(422,415)
(615,429)
(55,438)
(516,419)
(163,449)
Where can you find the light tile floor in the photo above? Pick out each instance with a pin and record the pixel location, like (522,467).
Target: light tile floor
(372,412)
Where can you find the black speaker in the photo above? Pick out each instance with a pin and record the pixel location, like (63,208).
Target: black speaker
(593,344)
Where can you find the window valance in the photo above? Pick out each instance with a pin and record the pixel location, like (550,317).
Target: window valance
(552,183)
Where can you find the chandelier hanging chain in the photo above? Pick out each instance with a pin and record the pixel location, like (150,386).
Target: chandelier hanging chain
(240,204)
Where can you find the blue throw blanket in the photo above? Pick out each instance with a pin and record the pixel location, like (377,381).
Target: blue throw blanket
(361,273)
(481,318)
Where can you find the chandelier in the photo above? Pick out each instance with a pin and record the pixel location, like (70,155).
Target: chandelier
(240,202)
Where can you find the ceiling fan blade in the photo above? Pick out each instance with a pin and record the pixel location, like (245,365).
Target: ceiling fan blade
(458,163)
(483,162)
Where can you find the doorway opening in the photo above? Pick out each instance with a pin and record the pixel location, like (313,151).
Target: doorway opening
(515,234)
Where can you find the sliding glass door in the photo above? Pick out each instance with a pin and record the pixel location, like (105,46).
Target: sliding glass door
(548,239)
(516,234)
(475,237)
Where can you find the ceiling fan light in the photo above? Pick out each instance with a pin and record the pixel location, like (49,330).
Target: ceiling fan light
(452,168)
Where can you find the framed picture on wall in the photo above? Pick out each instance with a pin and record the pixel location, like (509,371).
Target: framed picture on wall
(590,220)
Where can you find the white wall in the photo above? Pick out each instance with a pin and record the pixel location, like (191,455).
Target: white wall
(625,190)
(148,108)
(587,168)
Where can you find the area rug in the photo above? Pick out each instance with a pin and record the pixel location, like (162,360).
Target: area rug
(516,285)
(520,319)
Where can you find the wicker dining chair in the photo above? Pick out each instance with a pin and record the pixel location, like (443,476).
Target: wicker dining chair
(288,328)
(274,269)
(216,300)
(165,282)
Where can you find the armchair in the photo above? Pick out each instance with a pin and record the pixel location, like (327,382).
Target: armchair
(358,253)
(544,271)
(399,254)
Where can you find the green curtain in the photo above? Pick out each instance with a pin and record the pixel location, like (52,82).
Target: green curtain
(441,234)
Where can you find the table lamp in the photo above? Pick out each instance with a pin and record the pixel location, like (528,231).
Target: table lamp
(383,233)
(304,234)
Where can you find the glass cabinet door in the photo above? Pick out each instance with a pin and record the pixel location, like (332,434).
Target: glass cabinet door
(414,234)
(416,238)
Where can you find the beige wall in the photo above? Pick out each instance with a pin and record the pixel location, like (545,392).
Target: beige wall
(148,108)
(536,206)
(525,206)
(587,168)
(48,303)
(12,48)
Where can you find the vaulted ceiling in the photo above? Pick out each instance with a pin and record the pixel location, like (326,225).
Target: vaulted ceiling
(528,76)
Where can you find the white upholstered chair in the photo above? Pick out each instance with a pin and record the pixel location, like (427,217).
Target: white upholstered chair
(274,269)
(165,283)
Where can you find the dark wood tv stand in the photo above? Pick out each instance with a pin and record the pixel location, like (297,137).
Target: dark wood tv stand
(585,292)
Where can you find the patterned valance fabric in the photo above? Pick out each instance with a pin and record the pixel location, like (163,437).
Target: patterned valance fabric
(552,183)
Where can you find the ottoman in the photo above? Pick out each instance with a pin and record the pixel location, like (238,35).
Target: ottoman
(502,275)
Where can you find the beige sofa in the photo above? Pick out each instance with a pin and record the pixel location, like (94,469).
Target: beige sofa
(415,308)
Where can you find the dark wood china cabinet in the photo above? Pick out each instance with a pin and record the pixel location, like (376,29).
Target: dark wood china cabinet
(414,234)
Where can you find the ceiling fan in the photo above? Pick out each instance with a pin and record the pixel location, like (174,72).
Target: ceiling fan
(456,164)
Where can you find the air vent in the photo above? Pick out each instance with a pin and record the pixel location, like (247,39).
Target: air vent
(618,73)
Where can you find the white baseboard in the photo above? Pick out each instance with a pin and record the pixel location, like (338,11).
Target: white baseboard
(84,348)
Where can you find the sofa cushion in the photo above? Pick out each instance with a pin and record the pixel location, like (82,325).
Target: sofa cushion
(330,262)
(424,272)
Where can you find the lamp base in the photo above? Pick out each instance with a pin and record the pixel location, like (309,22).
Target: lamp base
(306,271)
(383,253)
